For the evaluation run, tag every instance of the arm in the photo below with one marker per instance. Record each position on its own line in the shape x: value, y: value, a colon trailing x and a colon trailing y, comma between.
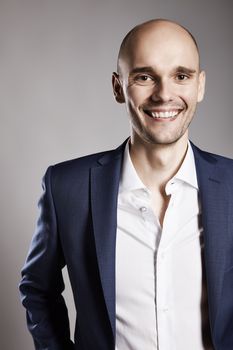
x: 42, y: 283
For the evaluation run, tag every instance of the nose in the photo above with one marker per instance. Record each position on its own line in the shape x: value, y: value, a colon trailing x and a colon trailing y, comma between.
x: 162, y: 92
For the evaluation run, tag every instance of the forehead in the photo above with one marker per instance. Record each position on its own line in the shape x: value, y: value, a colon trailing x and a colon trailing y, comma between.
x: 160, y: 46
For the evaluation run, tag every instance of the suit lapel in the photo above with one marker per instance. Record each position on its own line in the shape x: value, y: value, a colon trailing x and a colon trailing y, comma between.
x: 105, y: 179
x: 214, y: 199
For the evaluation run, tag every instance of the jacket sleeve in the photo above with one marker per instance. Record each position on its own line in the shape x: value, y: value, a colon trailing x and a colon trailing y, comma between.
x: 42, y: 283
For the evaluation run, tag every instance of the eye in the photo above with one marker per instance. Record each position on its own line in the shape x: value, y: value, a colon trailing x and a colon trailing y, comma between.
x: 182, y: 77
x: 144, y: 79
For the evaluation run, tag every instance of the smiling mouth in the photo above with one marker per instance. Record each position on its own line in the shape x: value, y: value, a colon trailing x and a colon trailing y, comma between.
x: 163, y: 115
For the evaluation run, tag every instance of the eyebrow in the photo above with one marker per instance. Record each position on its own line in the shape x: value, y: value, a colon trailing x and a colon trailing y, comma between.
x: 142, y: 70
x: 182, y: 69
x: 149, y: 69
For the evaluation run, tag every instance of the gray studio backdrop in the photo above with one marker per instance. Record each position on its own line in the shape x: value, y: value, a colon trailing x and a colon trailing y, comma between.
x: 56, y: 60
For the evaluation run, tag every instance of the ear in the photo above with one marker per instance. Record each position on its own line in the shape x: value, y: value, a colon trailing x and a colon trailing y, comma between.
x: 201, y: 87
x: 117, y: 88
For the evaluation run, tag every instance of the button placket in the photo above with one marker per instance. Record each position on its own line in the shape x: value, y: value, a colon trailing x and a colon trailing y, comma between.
x: 163, y: 296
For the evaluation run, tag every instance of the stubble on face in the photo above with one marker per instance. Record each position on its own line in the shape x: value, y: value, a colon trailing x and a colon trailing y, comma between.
x: 163, y: 137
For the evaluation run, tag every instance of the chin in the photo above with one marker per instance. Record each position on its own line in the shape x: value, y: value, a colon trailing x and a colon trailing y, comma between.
x: 166, y: 140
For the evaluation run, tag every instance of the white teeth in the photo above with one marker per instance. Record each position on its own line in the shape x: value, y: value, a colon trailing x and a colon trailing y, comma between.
x: 166, y: 114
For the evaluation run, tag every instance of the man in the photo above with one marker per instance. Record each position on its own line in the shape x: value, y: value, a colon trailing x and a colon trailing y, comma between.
x: 145, y: 230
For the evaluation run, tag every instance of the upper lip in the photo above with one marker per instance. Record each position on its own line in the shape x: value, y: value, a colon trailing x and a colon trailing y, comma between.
x: 163, y: 110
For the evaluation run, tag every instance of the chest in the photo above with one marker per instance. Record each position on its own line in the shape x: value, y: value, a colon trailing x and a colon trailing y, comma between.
x: 159, y: 268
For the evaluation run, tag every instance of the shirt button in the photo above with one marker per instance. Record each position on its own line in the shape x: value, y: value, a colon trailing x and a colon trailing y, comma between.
x: 143, y: 209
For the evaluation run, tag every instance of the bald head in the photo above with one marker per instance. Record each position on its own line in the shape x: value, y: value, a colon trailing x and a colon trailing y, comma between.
x: 161, y: 27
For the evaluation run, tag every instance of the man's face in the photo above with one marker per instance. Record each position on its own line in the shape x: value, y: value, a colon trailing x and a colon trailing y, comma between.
x: 160, y: 83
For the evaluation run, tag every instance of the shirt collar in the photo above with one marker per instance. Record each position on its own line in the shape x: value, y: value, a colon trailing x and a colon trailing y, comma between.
x: 129, y: 177
x: 131, y: 181
x: 187, y: 171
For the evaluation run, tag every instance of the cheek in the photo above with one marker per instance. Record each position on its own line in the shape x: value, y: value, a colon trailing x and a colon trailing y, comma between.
x: 137, y: 95
x: 190, y: 98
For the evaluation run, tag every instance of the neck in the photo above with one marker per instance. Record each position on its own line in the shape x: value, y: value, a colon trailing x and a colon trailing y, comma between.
x: 156, y: 164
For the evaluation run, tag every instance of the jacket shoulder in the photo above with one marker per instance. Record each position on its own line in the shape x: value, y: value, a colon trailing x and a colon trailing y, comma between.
x: 213, y: 157
x: 81, y: 166
x: 212, y: 164
x: 219, y: 158
x: 83, y: 162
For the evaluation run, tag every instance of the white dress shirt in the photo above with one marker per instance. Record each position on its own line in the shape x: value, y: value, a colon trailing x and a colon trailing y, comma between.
x: 160, y: 288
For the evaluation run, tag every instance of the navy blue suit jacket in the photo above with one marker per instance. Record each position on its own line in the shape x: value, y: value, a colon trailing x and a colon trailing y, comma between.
x: 77, y: 227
